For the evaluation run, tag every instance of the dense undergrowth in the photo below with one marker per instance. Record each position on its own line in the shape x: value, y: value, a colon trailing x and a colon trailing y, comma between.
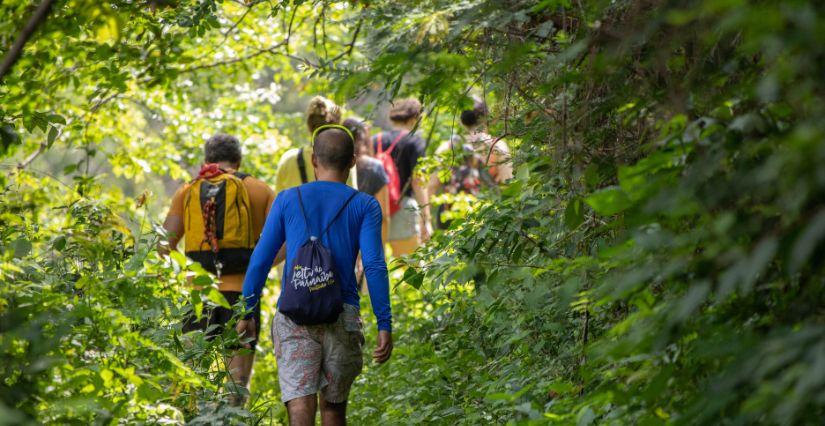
x: 91, y: 318
x: 659, y: 256
x: 657, y: 259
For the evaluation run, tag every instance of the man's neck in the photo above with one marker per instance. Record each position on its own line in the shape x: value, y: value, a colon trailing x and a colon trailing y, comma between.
x: 405, y: 127
x: 475, y: 129
x: 226, y: 166
x: 331, y: 176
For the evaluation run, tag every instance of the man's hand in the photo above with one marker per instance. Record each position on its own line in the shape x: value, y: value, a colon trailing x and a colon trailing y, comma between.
x: 426, y: 231
x: 384, y: 350
x: 246, y: 329
x: 174, y: 229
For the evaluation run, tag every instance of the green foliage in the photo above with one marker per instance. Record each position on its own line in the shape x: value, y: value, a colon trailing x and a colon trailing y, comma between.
x: 657, y: 259
x: 90, y: 318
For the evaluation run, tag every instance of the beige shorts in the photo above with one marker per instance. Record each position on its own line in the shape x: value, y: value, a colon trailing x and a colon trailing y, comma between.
x: 405, y: 223
x: 322, y: 358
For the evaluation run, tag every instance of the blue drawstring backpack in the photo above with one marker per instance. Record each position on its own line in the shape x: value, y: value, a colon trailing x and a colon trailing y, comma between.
x: 312, y: 294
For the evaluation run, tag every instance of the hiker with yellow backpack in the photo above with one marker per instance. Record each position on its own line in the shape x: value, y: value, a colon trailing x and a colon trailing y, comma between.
x: 220, y: 215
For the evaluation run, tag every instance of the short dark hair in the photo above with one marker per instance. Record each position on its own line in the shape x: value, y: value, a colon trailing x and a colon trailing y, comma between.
x: 405, y: 109
x: 472, y: 117
x: 222, y: 147
x: 334, y: 149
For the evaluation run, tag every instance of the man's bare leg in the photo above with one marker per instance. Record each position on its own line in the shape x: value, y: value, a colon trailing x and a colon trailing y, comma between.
x: 302, y: 410
x: 333, y: 414
x: 240, y: 369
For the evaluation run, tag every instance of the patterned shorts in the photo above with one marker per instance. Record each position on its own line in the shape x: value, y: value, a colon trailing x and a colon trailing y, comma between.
x: 322, y: 358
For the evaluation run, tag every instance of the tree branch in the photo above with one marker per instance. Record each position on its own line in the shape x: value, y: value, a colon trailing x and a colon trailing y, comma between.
x: 16, y: 50
x: 351, y: 45
x: 289, y: 29
x: 40, y: 149
x: 25, y: 163
x: 254, y: 54
x: 272, y: 50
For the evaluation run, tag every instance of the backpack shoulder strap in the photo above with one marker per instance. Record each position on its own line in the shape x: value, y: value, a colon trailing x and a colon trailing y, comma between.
x: 302, y: 168
x: 341, y: 210
x: 303, y: 212
x: 241, y: 176
x: 396, y: 140
x: 379, y: 145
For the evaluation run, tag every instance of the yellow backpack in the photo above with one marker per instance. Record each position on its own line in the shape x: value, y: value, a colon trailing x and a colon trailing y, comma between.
x: 218, y: 224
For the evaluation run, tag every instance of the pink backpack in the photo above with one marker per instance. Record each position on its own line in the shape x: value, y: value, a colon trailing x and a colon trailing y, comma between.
x: 385, y: 157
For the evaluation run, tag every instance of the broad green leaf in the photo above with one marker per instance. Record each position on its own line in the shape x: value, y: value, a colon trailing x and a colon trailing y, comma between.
x: 609, y: 201
x: 585, y: 417
x: 178, y: 257
x: 574, y: 214
x: 413, y: 278
x: 56, y: 118
x: 109, y: 31
x: 215, y: 296
x: 22, y: 247
x: 202, y: 280
x: 51, y: 137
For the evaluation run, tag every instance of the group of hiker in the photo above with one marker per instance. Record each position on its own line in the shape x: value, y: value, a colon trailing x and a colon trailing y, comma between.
x: 337, y: 201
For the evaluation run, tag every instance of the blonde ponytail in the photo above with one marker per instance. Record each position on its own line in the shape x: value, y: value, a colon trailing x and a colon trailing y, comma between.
x: 322, y: 111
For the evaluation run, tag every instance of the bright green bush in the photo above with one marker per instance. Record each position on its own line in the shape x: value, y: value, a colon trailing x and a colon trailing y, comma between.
x: 90, y: 318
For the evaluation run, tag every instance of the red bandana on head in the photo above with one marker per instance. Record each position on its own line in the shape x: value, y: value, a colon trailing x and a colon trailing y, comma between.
x: 210, y: 170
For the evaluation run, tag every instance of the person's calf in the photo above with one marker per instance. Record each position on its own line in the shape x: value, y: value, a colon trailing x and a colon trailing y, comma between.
x: 301, y: 410
x: 333, y: 413
x: 240, y: 367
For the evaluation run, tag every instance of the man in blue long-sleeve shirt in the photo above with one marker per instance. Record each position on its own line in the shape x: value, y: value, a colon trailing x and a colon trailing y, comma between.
x: 324, y: 358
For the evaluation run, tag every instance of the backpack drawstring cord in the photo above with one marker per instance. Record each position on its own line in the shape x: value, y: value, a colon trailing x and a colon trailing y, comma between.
x: 210, y: 231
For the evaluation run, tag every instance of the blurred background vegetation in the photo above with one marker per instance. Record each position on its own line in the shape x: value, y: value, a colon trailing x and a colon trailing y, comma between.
x: 657, y: 259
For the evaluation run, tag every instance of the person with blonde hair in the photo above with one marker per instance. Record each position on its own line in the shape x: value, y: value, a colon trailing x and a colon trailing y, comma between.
x: 295, y: 166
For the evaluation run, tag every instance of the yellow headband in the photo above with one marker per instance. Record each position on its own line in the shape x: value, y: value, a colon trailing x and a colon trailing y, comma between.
x: 332, y: 126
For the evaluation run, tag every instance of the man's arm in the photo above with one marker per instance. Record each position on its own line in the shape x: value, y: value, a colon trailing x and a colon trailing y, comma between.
x: 375, y: 269
x: 423, y: 199
x: 174, y: 231
x: 173, y: 223
x: 282, y: 252
x: 271, y: 240
x: 383, y: 197
x: 419, y: 187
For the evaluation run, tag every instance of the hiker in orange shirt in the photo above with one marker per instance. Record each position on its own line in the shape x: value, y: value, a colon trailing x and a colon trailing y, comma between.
x: 220, y: 214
